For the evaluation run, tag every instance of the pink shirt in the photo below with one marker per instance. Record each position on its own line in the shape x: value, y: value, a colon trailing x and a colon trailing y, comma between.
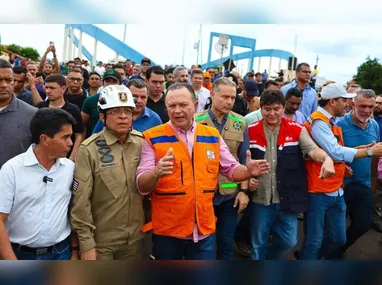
x: 227, y: 163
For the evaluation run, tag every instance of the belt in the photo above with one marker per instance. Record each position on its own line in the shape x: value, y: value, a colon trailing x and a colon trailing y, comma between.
x: 38, y: 250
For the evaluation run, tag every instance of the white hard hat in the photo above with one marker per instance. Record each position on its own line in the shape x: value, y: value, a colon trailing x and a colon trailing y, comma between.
x: 115, y: 96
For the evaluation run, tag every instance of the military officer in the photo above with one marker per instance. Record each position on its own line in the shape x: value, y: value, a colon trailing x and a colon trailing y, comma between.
x: 231, y: 198
x: 107, y: 212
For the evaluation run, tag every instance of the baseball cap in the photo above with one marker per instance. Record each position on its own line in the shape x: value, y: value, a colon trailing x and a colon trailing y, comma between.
x: 146, y: 60
x: 251, y: 88
x: 111, y: 73
x: 206, y: 74
x: 334, y: 91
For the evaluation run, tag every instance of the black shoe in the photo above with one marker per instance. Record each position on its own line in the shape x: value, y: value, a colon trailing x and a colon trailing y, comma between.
x: 243, y: 248
x: 296, y: 254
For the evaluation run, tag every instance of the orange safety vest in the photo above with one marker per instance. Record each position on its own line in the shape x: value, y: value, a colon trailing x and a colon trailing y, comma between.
x: 331, y: 184
x: 186, y: 196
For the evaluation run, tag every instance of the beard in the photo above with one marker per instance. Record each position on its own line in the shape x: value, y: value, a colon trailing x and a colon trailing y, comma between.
x: 377, y: 112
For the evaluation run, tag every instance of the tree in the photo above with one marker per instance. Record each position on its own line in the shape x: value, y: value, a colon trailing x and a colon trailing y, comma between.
x: 369, y: 75
x: 29, y: 52
x: 1, y: 49
x: 14, y: 48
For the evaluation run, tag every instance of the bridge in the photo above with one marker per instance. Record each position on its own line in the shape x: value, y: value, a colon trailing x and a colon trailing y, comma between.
x: 126, y: 51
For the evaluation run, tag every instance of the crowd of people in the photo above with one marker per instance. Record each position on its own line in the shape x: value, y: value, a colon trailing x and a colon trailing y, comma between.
x: 96, y: 163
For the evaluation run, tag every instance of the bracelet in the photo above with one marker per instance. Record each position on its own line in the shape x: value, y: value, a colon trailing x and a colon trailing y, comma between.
x: 75, y: 248
x: 244, y: 190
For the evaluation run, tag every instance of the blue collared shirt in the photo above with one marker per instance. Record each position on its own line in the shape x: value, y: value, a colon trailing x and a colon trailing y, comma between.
x: 243, y: 147
x: 354, y: 136
x: 147, y: 120
x: 309, y: 102
x: 323, y: 135
x: 26, y: 96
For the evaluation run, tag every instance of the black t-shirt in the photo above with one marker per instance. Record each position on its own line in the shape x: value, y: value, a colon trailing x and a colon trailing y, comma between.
x: 159, y: 108
x: 72, y: 110
x: 77, y: 100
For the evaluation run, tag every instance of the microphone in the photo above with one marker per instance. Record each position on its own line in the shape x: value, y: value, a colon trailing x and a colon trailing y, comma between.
x: 47, y: 179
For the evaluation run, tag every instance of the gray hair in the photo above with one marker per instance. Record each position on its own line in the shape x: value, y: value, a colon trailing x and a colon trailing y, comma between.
x: 5, y: 63
x: 178, y: 85
x: 222, y: 81
x: 137, y: 83
x: 178, y: 70
x: 367, y: 93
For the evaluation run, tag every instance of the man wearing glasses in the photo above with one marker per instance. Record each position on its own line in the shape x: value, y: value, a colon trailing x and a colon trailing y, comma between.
x: 309, y: 99
x: 107, y: 212
x: 75, y: 94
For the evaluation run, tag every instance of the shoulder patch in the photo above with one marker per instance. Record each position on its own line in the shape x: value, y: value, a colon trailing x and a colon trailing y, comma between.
x: 136, y: 133
x: 90, y: 139
x: 200, y: 116
x: 237, y: 118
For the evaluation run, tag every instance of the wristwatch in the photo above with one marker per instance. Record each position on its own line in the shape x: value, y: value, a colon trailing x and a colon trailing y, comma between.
x: 244, y: 190
x: 369, y: 151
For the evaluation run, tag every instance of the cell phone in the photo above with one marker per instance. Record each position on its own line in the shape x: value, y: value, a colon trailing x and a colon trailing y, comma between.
x: 51, y: 44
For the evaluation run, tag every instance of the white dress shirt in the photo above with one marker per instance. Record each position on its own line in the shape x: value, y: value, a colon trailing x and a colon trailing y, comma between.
x: 203, y: 95
x: 38, y: 211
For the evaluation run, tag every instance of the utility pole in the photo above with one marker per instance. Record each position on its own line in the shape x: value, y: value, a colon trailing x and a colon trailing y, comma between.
x: 317, y: 60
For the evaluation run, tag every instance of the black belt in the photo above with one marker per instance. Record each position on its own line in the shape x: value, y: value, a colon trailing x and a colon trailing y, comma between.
x: 39, y: 250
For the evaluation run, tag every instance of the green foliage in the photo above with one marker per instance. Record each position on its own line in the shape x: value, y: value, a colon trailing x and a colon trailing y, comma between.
x: 369, y: 75
x: 14, y: 48
x: 29, y: 52
x: 1, y: 49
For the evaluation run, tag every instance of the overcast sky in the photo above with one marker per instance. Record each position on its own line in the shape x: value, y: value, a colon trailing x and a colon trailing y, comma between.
x: 341, y: 47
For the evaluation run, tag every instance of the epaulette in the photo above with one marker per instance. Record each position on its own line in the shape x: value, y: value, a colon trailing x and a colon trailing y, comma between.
x: 90, y: 139
x: 136, y: 133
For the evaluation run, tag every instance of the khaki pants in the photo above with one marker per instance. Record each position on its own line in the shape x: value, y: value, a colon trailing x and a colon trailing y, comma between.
x: 120, y: 252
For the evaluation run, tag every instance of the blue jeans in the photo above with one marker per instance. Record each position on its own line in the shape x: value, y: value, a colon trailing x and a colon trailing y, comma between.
x: 225, y: 228
x: 171, y: 248
x: 60, y: 252
x: 325, y: 214
x: 283, y: 226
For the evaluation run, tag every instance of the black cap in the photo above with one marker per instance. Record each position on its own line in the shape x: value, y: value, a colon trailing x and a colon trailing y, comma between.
x: 146, y: 60
x: 111, y: 73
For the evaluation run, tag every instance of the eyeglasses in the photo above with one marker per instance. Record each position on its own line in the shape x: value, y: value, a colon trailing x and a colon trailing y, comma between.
x: 119, y: 111
x: 75, y: 79
x: 378, y: 103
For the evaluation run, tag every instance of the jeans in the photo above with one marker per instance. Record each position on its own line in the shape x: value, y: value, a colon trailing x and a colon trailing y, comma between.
x: 325, y: 214
x: 59, y: 252
x: 171, y: 248
x: 225, y: 228
x: 359, y: 203
x: 283, y: 226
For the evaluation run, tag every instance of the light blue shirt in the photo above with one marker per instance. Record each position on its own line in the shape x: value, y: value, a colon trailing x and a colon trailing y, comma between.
x: 38, y: 211
x: 309, y: 102
x: 324, y: 137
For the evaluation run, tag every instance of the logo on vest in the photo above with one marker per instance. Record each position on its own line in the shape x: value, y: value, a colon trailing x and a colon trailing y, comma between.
x: 210, y: 154
x: 288, y: 139
x: 238, y: 126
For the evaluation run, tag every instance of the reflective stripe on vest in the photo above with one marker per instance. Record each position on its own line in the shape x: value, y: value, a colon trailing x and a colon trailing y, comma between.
x: 184, y: 198
x: 232, y: 137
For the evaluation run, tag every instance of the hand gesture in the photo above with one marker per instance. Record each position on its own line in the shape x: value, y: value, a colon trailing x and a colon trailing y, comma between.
x: 242, y: 200
x: 348, y: 171
x: 377, y: 149
x: 165, y: 164
x: 253, y: 184
x: 30, y: 79
x: 91, y: 254
x: 327, y: 169
x: 256, y: 167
